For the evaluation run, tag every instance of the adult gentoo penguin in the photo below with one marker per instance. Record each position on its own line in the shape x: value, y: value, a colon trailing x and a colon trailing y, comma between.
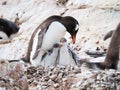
x: 47, y: 34
x: 66, y: 55
x: 7, y: 29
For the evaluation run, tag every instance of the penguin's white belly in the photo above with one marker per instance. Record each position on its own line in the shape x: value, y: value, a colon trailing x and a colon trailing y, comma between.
x: 65, y: 58
x: 50, y: 60
x: 3, y: 35
x: 53, y: 35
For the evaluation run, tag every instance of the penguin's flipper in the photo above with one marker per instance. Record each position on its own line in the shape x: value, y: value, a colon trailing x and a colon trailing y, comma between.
x: 73, y: 54
x: 40, y: 39
x: 43, y: 27
x: 108, y: 35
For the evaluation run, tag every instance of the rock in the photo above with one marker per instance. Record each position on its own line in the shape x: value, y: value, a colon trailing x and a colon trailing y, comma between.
x: 31, y: 70
x: 56, y: 70
x: 51, y: 82
x: 38, y: 87
x: 46, y: 78
x: 22, y: 84
x: 14, y: 75
x: 60, y: 75
x: 99, y: 76
x: 85, y: 67
x: 2, y: 88
x: 118, y: 87
x: 53, y: 77
x: 51, y: 68
x: 61, y: 2
x: 101, y: 88
x: 4, y: 3
x: 64, y: 79
x: 79, y: 83
x: 76, y: 71
x: 88, y: 74
x: 82, y: 88
x: 56, y: 85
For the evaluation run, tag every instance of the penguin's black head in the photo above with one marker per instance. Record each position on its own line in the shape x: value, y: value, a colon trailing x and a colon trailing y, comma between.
x: 62, y: 40
x: 71, y: 25
x: 57, y: 45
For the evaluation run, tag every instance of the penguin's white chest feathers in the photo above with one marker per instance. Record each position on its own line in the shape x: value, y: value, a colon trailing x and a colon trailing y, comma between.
x: 3, y: 35
x: 64, y: 54
x: 65, y: 57
x: 50, y: 60
x: 55, y: 32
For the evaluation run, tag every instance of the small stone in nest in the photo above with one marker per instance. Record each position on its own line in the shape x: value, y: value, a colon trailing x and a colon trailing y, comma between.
x: 4, y: 3
x: 97, y: 42
x: 31, y: 70
x: 101, y: 88
x: 56, y: 85
x: 61, y: 2
x: 22, y: 84
x: 14, y: 75
x: 97, y: 48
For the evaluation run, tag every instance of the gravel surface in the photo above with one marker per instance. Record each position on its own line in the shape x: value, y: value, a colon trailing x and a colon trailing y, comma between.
x: 20, y: 76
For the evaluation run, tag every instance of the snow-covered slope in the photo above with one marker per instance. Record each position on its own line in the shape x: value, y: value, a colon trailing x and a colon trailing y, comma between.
x: 96, y: 17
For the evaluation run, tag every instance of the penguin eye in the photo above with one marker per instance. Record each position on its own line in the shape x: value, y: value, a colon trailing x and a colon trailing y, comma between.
x: 77, y: 27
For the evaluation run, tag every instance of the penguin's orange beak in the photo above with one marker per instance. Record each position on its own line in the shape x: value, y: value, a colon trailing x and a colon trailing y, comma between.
x: 73, y: 39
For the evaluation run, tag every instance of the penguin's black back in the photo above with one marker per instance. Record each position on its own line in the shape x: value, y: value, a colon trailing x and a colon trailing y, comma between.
x: 8, y: 27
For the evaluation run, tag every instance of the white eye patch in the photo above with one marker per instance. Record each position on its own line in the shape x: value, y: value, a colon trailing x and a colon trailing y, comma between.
x: 77, y: 27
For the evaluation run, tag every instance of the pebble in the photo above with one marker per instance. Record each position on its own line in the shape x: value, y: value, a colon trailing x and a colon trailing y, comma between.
x: 101, y: 88
x: 64, y: 79
x: 56, y: 85
x: 76, y: 71
x: 53, y: 77
x: 79, y: 83
x: 60, y: 75
x: 99, y: 76
x: 2, y: 88
x: 46, y: 78
x: 51, y: 68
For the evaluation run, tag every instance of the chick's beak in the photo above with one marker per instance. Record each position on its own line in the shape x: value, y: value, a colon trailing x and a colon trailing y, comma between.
x: 73, y: 39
